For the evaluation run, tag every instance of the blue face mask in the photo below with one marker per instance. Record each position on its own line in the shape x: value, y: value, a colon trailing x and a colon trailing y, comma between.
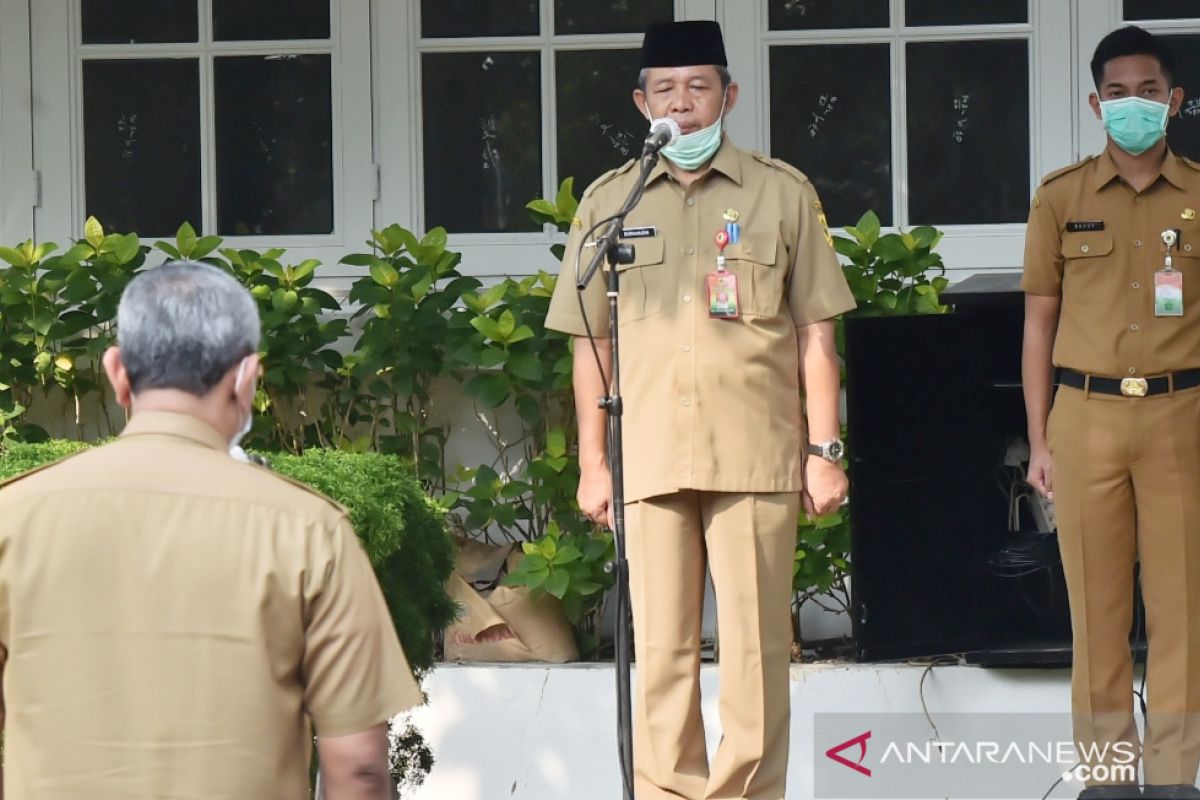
x: 1135, y: 124
x: 694, y: 150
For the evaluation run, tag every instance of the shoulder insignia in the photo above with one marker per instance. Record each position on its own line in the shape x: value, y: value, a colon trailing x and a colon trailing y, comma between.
x: 42, y: 467
x: 1058, y: 173
x: 606, y: 177
x: 780, y: 165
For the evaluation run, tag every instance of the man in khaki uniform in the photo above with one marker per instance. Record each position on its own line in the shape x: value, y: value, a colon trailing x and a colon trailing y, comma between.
x: 173, y: 620
x: 715, y: 433
x: 1120, y: 452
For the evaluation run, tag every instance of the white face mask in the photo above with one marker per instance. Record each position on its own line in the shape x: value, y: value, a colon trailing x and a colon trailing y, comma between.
x: 235, y: 448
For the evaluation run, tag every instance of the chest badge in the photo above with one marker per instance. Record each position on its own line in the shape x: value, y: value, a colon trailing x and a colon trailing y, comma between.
x: 1188, y: 213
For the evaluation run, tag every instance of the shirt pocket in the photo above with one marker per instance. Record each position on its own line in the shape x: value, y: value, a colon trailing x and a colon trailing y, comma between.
x: 755, y: 261
x: 644, y: 281
x: 1088, y: 269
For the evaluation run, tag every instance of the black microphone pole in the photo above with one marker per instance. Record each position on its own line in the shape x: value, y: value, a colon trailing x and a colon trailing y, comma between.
x: 609, y: 249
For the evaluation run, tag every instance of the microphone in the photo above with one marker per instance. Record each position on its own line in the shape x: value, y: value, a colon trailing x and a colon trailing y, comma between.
x: 663, y: 132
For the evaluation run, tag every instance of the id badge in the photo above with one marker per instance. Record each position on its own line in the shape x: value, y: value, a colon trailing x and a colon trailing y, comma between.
x: 722, y: 295
x: 1168, y: 293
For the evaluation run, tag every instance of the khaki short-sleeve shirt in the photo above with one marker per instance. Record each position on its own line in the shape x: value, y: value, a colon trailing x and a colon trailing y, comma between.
x: 1097, y: 243
x: 173, y: 620
x: 710, y: 404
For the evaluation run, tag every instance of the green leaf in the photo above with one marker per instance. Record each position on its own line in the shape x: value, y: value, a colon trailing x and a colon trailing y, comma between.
x: 305, y: 268
x: 566, y: 555
x: 12, y: 257
x: 127, y: 248
x: 206, y: 245
x: 186, y: 239
x: 558, y: 583
x: 93, y: 232
x: 435, y: 239
x: 490, y: 389
x: 520, y: 334
x: 868, y: 228
x: 488, y: 327
x: 384, y: 273
x: 891, y: 248
x: 526, y: 366
x: 556, y: 442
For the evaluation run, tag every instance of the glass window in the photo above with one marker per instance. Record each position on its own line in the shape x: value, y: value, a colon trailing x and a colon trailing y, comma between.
x: 142, y: 143
x: 968, y: 132
x: 598, y: 125
x: 482, y: 120
x: 793, y: 15
x: 831, y: 117
x: 140, y: 21
x: 1160, y: 9
x: 615, y: 16
x: 274, y: 145
x: 463, y: 18
x: 956, y: 12
x: 238, y: 20
x: 1183, y: 132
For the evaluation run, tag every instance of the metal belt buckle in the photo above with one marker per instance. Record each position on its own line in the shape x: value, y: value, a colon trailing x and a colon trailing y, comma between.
x: 1134, y: 387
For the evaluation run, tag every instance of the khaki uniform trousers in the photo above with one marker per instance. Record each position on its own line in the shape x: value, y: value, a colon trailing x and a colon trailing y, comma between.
x: 1126, y: 477
x: 750, y: 540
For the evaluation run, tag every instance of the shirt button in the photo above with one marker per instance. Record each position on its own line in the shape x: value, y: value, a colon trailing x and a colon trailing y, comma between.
x: 1083, y: 248
x: 1133, y: 370
x: 691, y: 201
x: 687, y: 298
x: 686, y: 401
x: 691, y: 251
x: 1137, y: 198
x: 1133, y: 327
x: 1137, y: 242
x: 1136, y: 285
x: 687, y: 348
x: 1187, y: 247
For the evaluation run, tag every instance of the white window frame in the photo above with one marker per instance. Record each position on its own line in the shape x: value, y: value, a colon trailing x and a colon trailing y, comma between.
x: 58, y: 130
x: 965, y: 248
x: 485, y: 255
x: 18, y: 182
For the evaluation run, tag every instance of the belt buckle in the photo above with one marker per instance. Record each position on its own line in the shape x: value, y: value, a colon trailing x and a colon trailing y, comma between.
x: 1134, y: 387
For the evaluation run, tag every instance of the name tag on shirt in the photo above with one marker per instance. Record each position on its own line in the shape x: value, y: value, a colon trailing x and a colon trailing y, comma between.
x: 648, y: 232
x: 1085, y: 227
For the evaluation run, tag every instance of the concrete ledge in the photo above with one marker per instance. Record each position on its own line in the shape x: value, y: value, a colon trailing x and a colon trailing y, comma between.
x: 536, y: 732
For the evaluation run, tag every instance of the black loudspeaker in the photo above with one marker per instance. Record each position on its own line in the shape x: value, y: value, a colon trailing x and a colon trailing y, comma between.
x: 932, y: 402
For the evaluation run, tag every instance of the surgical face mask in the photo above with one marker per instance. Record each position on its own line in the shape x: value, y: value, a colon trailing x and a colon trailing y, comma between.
x: 1134, y: 123
x: 235, y: 448
x: 692, y: 151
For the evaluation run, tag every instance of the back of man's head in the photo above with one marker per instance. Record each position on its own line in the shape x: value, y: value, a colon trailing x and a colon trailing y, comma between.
x: 1131, y: 41
x: 183, y: 325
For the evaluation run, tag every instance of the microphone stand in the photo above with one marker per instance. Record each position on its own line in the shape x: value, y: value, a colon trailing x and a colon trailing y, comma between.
x: 609, y: 249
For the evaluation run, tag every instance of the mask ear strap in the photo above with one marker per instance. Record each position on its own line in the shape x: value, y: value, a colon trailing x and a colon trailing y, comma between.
x: 237, y: 379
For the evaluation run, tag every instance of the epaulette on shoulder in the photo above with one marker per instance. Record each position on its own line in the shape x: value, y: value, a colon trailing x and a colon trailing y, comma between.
x: 1058, y: 173
x: 608, y: 176
x: 41, y: 468
x: 1191, y: 163
x: 301, y: 485
x: 780, y: 165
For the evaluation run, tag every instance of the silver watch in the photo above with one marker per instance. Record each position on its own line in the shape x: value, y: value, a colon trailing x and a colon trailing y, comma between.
x: 832, y: 450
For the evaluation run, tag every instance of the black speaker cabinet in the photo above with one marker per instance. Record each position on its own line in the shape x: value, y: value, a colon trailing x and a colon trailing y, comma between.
x: 932, y: 402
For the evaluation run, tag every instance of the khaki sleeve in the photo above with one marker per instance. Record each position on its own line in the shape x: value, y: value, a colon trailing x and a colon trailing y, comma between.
x: 818, y: 289
x: 1043, y: 250
x: 355, y: 674
x: 565, y: 314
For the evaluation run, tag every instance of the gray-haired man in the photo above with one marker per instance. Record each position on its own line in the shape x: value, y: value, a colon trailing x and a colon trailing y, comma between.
x: 172, y: 621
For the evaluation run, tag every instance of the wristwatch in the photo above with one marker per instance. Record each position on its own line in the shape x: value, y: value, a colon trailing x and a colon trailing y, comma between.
x: 832, y: 450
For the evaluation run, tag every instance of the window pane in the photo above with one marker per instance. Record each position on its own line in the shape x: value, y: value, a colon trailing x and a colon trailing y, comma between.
x: 787, y: 15
x: 831, y: 117
x: 968, y: 133
x: 142, y: 21
x: 617, y: 16
x: 598, y: 126
x: 482, y: 122
x: 956, y: 12
x: 274, y: 145
x: 141, y: 134
x: 442, y: 18
x: 238, y: 20
x: 1183, y: 132
x: 1161, y: 9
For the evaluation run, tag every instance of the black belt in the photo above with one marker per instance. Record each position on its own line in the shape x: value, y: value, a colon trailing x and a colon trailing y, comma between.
x: 1130, y: 387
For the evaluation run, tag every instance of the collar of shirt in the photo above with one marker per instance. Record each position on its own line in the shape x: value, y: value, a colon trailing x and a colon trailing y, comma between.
x: 181, y: 426
x: 1171, y: 170
x: 726, y: 162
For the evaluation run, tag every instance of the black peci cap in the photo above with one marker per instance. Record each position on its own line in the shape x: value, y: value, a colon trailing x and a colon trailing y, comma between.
x: 683, y: 44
